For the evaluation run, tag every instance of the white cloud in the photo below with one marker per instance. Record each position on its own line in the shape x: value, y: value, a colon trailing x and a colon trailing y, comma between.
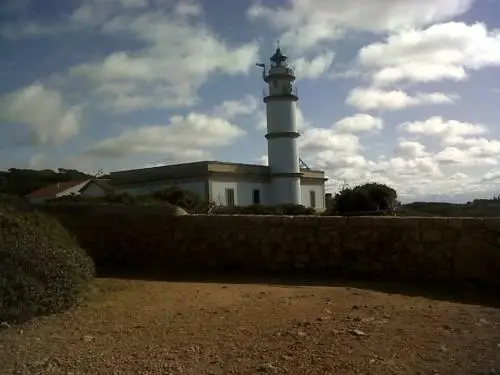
x: 178, y: 57
x: 457, y: 138
x: 321, y: 139
x: 305, y: 24
x: 48, y: 118
x: 190, y: 135
x: 465, y: 157
x: 442, y: 51
x: 358, y: 123
x: 315, y: 67
x: 230, y: 109
x: 445, y: 130
x: 410, y: 150
x: 373, y: 98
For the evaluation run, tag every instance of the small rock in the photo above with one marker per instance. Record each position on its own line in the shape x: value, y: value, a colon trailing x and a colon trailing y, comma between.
x: 301, y: 334
x: 88, y: 338
x: 443, y: 348
x: 268, y: 368
x: 355, y: 307
x: 4, y: 325
x: 323, y: 318
x: 357, y: 332
x: 327, y: 311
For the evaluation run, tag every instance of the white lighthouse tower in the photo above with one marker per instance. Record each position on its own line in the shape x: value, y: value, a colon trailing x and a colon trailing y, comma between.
x: 283, y: 154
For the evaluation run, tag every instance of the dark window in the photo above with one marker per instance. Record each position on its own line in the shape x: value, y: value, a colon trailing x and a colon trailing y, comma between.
x: 312, y: 198
x: 229, y: 197
x: 256, y: 196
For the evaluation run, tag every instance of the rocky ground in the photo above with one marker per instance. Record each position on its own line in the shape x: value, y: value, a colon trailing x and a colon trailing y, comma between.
x: 153, y: 327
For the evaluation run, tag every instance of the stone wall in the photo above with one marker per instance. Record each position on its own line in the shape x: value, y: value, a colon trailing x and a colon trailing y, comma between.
x: 392, y: 247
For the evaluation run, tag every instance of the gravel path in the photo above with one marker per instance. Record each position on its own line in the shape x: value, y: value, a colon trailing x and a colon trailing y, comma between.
x: 146, y: 327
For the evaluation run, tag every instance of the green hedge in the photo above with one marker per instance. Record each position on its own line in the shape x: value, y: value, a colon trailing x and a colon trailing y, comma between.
x: 42, y: 268
x: 257, y: 209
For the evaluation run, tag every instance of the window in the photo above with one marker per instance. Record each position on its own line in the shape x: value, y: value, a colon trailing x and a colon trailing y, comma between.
x: 229, y: 197
x: 312, y: 198
x: 256, y: 196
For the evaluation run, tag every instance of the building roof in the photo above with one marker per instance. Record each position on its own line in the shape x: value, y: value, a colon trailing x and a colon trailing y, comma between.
x: 198, y: 170
x: 52, y: 190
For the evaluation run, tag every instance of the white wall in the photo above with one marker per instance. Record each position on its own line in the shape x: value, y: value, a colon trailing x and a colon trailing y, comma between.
x: 320, y: 196
x: 243, y: 192
x: 197, y: 187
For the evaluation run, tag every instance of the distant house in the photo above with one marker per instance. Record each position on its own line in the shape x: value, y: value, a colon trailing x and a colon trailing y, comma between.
x: 84, y: 188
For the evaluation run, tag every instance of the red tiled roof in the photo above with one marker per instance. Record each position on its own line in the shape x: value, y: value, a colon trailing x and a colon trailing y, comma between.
x: 51, y: 190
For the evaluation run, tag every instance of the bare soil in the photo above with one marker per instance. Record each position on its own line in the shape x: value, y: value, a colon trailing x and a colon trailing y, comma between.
x: 158, y: 327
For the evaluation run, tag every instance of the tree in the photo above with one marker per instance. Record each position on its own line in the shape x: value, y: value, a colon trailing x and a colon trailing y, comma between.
x: 367, y: 198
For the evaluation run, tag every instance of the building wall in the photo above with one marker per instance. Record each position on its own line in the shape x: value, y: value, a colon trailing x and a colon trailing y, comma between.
x: 448, y: 249
x: 243, y: 192
x: 197, y: 187
x: 319, y: 191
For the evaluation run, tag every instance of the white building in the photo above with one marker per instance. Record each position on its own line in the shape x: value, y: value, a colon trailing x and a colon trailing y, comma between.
x: 283, y: 181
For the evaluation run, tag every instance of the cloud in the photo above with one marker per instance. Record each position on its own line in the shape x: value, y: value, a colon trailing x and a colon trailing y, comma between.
x: 461, y: 147
x: 442, y: 51
x: 43, y: 112
x: 178, y: 57
x: 358, y: 123
x: 322, y: 139
x: 230, y: 109
x: 445, y: 130
x: 306, y: 24
x: 372, y: 98
x: 410, y: 150
x: 187, y: 135
x: 314, y: 68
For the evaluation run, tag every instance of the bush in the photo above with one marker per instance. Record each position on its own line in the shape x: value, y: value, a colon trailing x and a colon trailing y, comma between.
x: 42, y: 269
x: 294, y: 209
x: 258, y: 209
x: 365, y: 199
x: 185, y: 199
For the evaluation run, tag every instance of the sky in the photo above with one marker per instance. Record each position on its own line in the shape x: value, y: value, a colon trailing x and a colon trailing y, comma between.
x: 400, y: 92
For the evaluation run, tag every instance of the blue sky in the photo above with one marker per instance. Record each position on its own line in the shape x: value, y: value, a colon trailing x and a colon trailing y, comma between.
x: 403, y: 92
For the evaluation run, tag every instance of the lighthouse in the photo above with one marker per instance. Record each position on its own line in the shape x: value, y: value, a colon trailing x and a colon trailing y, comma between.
x: 281, y: 100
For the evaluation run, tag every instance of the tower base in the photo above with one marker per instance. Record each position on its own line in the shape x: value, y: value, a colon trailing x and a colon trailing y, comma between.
x: 286, y: 189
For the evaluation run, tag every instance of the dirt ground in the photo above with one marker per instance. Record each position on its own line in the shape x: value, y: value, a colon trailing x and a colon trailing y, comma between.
x: 155, y: 327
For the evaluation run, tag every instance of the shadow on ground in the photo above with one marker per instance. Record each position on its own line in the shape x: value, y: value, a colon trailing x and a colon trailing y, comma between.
x: 472, y: 293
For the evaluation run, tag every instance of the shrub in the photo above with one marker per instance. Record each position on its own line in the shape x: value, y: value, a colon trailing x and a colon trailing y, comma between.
x: 185, y: 199
x: 365, y: 199
x: 294, y: 209
x: 258, y: 209
x: 42, y: 269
